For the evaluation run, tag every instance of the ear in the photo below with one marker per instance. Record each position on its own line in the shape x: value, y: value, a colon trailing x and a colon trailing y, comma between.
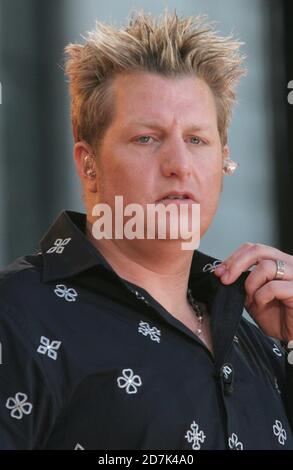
x: 80, y: 150
x: 225, y: 152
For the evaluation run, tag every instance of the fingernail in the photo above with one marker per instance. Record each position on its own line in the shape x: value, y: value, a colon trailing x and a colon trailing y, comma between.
x: 220, y: 269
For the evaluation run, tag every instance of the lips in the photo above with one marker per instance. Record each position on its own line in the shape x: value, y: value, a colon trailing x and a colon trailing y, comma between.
x: 174, y: 196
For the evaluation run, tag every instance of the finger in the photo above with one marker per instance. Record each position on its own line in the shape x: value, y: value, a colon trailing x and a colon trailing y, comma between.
x: 264, y: 272
x: 280, y: 290
x: 233, y: 259
x: 246, y: 257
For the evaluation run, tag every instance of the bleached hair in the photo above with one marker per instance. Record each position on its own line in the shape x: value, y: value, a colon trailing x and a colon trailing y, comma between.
x: 169, y: 45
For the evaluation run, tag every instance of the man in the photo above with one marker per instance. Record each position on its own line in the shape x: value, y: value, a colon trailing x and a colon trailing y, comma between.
x: 118, y: 343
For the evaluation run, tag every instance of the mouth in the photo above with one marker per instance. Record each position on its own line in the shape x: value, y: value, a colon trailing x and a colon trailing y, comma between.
x: 176, y: 198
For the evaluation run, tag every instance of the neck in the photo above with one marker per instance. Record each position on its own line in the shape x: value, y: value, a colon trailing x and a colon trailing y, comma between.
x: 160, y: 267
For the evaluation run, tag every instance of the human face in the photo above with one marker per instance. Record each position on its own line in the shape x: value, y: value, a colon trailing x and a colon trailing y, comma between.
x: 163, y: 137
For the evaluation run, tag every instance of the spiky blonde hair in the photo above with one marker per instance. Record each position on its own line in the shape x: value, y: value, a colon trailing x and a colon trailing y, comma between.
x: 170, y: 46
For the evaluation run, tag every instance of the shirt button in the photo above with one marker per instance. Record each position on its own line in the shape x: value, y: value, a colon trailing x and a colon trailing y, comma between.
x: 277, y: 385
x: 227, y: 378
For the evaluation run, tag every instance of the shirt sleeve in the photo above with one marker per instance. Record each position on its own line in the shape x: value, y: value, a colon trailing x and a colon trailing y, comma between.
x: 27, y: 407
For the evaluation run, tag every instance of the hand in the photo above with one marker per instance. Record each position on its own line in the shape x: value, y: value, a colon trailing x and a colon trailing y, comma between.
x: 268, y: 301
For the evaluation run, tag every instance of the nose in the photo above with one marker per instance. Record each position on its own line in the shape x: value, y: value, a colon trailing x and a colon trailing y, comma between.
x: 175, y: 159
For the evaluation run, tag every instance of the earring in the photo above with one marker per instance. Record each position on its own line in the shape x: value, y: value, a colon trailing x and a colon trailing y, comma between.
x: 88, y: 163
x: 229, y: 166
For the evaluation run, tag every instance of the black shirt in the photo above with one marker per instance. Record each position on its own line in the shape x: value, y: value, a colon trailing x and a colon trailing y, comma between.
x: 91, y: 361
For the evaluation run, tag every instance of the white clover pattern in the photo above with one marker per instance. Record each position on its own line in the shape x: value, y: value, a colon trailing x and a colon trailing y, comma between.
x: 211, y: 267
x: 277, y: 351
x: 19, y: 405
x: 226, y: 371
x: 49, y: 347
x: 68, y: 293
x: 234, y: 443
x: 145, y: 329
x: 280, y: 432
x: 78, y: 447
x: 129, y: 381
x: 195, y: 436
x: 58, y: 245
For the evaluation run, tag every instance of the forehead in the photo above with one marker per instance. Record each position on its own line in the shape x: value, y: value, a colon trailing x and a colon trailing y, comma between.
x: 139, y: 96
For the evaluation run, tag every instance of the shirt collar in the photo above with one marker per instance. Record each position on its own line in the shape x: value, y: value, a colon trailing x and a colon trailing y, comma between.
x: 67, y: 251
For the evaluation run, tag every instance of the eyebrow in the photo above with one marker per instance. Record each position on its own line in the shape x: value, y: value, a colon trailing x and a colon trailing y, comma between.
x: 157, y: 125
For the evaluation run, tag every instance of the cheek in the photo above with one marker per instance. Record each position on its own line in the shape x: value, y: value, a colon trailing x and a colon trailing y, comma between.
x: 127, y: 180
x: 211, y: 181
x: 210, y: 194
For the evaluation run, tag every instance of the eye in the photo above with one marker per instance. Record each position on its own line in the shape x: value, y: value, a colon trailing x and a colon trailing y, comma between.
x: 196, y: 140
x: 143, y: 139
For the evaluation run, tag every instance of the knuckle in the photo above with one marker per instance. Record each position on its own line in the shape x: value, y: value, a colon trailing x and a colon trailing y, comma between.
x: 270, y: 288
x: 248, y: 284
x: 257, y: 247
x: 246, y: 245
x: 266, y: 264
x: 258, y: 298
x: 249, y: 291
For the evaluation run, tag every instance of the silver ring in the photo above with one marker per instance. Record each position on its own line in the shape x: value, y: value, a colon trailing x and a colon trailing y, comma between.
x: 280, y: 269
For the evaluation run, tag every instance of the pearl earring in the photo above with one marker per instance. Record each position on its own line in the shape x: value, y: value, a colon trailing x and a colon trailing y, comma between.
x: 229, y: 166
